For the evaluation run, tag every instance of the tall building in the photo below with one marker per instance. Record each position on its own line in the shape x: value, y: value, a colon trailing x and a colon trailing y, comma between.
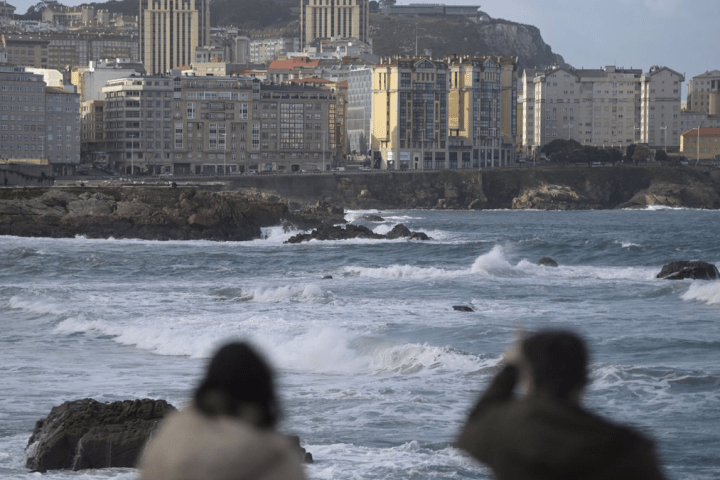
x: 438, y: 114
x: 704, y: 93
x: 170, y: 31
x: 608, y: 107
x: 660, y: 108
x: 202, y: 125
x: 333, y: 18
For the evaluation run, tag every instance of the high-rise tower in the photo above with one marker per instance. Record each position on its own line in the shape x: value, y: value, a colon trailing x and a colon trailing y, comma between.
x: 333, y: 18
x: 170, y: 30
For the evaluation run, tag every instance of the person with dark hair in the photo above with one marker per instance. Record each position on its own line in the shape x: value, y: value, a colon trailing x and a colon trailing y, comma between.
x: 227, y: 432
x: 545, y: 433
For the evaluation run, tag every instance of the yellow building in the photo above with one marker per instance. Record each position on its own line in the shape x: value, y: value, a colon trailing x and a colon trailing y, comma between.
x: 454, y: 113
x: 170, y: 31
x: 709, y: 143
x: 333, y: 18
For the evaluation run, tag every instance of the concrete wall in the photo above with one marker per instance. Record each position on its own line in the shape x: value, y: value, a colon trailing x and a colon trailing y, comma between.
x: 26, y: 175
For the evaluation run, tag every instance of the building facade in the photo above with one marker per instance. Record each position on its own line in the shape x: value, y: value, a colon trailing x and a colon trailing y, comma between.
x: 333, y: 18
x: 660, y: 99
x: 170, y: 31
x: 22, y: 114
x: 26, y: 50
x: 435, y: 114
x: 701, y: 144
x: 92, y: 132
x: 359, y: 110
x: 704, y: 93
x: 208, y: 125
x: 62, y: 142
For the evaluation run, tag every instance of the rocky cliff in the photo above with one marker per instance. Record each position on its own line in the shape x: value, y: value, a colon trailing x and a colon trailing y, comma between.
x: 152, y: 213
x: 443, y: 36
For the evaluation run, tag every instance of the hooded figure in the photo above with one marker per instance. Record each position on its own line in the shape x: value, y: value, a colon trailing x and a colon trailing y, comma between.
x: 546, y: 434
x: 227, y: 432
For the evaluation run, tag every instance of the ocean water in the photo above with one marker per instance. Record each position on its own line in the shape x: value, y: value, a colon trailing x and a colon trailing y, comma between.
x: 376, y: 371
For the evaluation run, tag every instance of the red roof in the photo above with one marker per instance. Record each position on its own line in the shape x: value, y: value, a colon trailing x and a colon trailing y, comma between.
x: 707, y: 131
x: 292, y: 63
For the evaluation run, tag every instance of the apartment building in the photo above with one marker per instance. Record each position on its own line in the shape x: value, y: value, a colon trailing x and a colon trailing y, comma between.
x: 267, y: 49
x: 204, y: 125
x: 26, y: 50
x: 7, y: 12
x: 660, y: 101
x: 92, y: 132
x: 331, y: 18
x: 434, y: 114
x: 38, y: 122
x: 704, y: 93
x: 170, y: 32
x: 359, y: 110
x: 90, y: 80
x: 62, y: 120
x: 22, y: 113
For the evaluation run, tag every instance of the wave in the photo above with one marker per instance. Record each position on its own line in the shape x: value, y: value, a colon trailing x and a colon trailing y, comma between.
x: 38, y: 304
x: 402, y: 271
x: 284, y: 293
x: 706, y: 292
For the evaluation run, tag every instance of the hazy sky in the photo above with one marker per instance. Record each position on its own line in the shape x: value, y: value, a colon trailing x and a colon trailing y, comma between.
x: 679, y: 34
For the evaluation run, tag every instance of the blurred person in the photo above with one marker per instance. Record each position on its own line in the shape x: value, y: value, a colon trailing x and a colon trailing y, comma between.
x: 545, y: 433
x: 228, y: 430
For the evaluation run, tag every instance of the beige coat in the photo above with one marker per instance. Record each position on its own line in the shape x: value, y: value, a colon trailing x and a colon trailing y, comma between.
x: 191, y: 446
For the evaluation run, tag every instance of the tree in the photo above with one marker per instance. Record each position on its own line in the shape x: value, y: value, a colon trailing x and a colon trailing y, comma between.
x: 630, y: 151
x: 661, y: 155
x: 641, y: 153
x: 374, y: 6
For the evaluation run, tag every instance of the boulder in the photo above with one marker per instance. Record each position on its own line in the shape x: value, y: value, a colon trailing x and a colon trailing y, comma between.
x: 86, y: 433
x: 547, y: 262
x: 350, y: 231
x: 370, y: 217
x: 305, y: 456
x: 462, y: 308
x: 689, y: 269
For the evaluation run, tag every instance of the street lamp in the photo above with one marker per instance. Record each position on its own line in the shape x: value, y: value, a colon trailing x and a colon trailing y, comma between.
x: 665, y: 137
x: 697, y: 161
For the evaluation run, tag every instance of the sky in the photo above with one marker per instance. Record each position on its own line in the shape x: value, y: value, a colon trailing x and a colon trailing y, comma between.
x: 679, y: 34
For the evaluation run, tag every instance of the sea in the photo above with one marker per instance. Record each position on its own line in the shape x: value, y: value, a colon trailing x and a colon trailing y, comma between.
x: 376, y: 371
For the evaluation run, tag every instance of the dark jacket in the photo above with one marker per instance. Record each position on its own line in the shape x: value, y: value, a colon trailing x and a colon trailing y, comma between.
x: 540, y: 437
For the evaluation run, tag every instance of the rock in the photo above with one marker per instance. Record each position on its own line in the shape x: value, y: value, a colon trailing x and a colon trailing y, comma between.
x: 327, y: 277
x: 88, y: 434
x: 547, y: 262
x: 370, y: 217
x: 335, y: 232
x: 689, y: 269
x: 462, y: 308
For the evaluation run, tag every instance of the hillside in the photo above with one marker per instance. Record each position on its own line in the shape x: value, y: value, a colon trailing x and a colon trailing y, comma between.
x: 391, y: 35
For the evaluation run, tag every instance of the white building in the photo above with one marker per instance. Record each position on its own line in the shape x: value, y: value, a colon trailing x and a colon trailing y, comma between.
x: 91, y: 79
x: 704, y: 93
x: 660, y: 108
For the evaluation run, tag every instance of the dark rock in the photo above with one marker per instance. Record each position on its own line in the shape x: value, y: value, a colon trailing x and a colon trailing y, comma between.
x: 327, y: 277
x: 684, y: 269
x: 462, y: 308
x: 372, y: 218
x: 334, y: 232
x: 547, y: 262
x: 88, y: 434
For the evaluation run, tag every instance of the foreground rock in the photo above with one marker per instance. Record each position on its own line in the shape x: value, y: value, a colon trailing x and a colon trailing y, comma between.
x: 694, y: 270
x: 152, y: 213
x: 88, y: 434
x: 334, y: 232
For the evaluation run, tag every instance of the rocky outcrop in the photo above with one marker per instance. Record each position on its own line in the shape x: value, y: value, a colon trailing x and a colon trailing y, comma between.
x: 552, y: 197
x: 695, y: 270
x: 329, y: 232
x: 547, y: 262
x: 152, y: 213
x: 445, y: 36
x: 88, y: 434
x: 676, y: 195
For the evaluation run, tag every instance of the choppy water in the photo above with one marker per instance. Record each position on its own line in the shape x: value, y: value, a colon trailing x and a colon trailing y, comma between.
x: 376, y: 370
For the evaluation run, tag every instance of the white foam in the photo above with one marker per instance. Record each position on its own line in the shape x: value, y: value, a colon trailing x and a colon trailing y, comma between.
x: 37, y: 305
x: 707, y: 292
x: 494, y: 263
x: 402, y: 271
